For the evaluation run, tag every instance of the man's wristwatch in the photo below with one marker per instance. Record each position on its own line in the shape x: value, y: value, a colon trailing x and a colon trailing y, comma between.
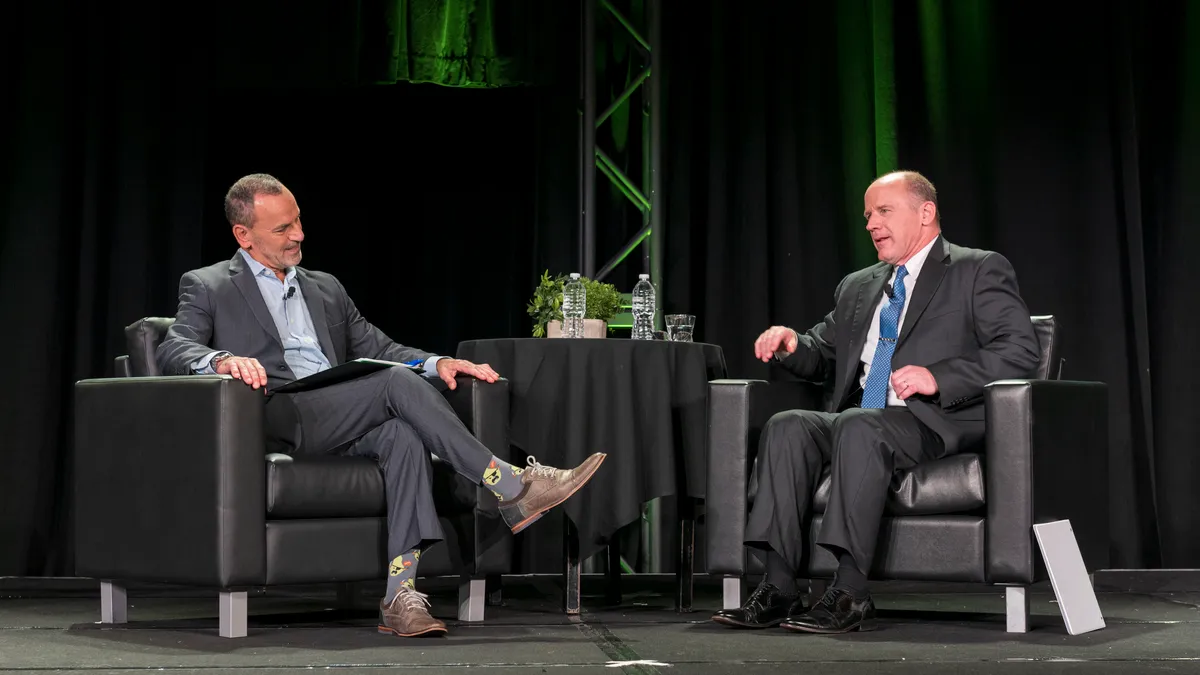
x: 215, y: 363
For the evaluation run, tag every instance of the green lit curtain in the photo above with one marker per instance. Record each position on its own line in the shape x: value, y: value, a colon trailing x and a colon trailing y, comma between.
x: 871, y: 109
x: 867, y: 87
x: 456, y: 43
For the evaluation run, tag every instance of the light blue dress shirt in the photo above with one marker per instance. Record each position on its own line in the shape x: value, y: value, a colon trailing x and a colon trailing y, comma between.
x: 301, y: 348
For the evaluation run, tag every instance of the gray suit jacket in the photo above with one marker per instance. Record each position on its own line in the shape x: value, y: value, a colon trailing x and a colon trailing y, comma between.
x: 221, y: 308
x: 966, y: 323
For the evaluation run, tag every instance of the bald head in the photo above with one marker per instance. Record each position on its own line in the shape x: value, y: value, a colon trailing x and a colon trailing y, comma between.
x: 919, y: 188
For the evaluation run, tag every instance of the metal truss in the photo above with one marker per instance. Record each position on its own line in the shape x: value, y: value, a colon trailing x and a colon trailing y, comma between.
x: 645, y: 194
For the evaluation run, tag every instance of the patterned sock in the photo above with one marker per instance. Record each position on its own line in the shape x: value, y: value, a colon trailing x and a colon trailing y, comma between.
x: 402, y: 572
x: 503, y: 479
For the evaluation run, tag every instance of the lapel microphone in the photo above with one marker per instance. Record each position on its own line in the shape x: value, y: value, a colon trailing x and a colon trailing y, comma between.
x: 887, y: 290
x: 292, y: 291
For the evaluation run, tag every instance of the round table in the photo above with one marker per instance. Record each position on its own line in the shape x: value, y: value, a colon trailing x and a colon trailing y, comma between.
x: 644, y: 402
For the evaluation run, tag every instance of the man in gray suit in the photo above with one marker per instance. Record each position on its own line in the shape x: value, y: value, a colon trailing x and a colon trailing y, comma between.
x: 266, y: 321
x: 909, y: 347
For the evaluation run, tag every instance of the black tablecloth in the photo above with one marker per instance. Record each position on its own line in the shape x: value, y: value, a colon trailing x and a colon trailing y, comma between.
x: 643, y: 402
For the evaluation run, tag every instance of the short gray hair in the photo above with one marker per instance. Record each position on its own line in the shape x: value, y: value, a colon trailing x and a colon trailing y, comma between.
x: 239, y: 201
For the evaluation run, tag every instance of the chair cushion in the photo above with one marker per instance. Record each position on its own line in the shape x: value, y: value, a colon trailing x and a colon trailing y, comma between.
x: 949, y: 485
x: 327, y: 486
x: 338, y: 486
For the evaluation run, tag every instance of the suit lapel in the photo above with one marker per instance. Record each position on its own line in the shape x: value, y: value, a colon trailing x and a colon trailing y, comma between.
x: 315, y: 299
x: 928, y: 282
x: 243, y: 279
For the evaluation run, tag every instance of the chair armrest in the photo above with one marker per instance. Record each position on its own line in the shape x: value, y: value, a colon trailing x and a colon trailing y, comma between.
x: 737, y: 412
x: 170, y: 480
x: 1046, y: 459
x: 483, y: 408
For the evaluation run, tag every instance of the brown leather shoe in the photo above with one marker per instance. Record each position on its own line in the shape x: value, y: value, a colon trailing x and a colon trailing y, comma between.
x: 407, y: 615
x: 545, y: 488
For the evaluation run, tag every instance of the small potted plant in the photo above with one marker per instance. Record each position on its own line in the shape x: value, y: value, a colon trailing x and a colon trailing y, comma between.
x: 603, y: 303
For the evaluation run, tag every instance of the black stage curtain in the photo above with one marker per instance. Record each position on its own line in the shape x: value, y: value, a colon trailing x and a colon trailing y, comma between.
x: 129, y: 127
x: 101, y: 199
x: 1069, y: 141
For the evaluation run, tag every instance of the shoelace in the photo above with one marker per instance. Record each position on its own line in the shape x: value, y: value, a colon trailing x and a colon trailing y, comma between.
x: 758, y: 594
x: 830, y: 597
x: 539, y: 469
x: 410, y: 599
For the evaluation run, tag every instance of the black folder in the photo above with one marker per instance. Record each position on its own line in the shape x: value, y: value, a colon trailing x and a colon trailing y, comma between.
x: 345, y: 372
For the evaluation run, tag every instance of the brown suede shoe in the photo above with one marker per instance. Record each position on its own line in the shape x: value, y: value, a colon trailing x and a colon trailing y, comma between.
x: 407, y: 615
x: 545, y: 488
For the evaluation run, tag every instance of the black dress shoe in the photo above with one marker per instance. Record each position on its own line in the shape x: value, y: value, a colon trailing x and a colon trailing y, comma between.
x: 837, y: 612
x: 766, y: 607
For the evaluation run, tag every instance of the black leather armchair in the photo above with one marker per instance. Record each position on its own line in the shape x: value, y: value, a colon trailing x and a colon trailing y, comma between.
x: 173, y: 484
x: 965, y: 518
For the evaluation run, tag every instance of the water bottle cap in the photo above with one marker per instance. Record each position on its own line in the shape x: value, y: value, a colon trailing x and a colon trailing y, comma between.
x: 643, y: 276
x: 574, y: 275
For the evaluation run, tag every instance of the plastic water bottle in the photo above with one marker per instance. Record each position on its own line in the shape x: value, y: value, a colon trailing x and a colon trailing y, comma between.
x: 643, y: 309
x: 574, y: 306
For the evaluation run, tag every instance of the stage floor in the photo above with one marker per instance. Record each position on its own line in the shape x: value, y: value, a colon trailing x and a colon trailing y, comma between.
x: 51, y: 627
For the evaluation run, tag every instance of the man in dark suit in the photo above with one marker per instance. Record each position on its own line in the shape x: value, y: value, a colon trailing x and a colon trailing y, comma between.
x: 909, y: 346
x: 266, y: 321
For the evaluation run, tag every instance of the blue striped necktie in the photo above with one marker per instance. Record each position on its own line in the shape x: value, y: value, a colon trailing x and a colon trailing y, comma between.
x: 876, y: 389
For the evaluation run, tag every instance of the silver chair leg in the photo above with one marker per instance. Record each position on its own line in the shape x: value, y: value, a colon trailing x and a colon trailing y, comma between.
x: 472, y: 594
x: 731, y: 588
x: 233, y: 614
x: 114, y: 605
x: 1016, y: 599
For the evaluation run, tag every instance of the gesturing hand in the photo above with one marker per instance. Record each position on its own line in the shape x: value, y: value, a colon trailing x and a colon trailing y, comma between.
x: 448, y: 368
x: 772, y: 340
x: 912, y: 380
x: 246, y: 369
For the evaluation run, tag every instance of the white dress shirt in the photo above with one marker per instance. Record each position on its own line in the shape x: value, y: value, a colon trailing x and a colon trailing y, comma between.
x: 913, y: 266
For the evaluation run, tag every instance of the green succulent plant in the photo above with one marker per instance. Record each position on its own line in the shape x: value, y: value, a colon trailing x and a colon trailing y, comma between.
x: 603, y: 301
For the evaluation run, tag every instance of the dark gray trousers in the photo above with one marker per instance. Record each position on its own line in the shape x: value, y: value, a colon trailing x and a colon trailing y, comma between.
x: 395, y: 417
x: 864, y: 446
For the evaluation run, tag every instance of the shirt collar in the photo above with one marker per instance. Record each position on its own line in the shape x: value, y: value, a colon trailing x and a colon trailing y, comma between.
x: 914, y: 264
x: 261, y: 270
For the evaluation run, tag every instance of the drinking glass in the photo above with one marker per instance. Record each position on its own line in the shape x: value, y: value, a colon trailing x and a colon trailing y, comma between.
x: 680, y: 327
